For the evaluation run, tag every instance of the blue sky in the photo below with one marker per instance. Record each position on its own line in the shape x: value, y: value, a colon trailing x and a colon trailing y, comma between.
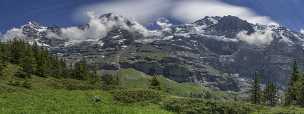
x: 15, y: 13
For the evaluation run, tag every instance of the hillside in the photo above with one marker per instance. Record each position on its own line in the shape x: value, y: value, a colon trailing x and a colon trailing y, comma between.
x: 66, y: 96
x: 218, y: 52
x: 217, y: 65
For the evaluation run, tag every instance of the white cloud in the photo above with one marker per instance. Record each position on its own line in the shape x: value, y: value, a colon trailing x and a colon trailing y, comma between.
x: 191, y: 10
x: 97, y: 29
x: 13, y: 33
x: 302, y: 31
x: 259, y: 38
x: 141, y: 10
x: 183, y: 10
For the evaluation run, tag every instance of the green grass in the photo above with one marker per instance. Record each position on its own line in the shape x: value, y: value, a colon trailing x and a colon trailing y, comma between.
x: 280, y: 110
x: 130, y: 78
x: 50, y: 96
x: 54, y: 96
x: 69, y: 102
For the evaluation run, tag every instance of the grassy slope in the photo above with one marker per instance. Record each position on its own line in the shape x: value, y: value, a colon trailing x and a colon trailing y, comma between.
x: 48, y: 96
x: 281, y: 110
x: 131, y: 78
x: 68, y: 102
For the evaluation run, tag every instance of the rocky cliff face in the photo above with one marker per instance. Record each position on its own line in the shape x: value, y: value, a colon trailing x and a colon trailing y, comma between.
x: 219, y: 52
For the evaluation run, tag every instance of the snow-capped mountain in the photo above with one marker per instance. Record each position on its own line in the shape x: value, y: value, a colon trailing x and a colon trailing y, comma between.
x: 220, y: 52
x: 97, y: 29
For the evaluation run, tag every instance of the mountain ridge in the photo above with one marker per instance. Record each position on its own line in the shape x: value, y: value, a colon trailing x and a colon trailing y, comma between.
x: 219, y: 52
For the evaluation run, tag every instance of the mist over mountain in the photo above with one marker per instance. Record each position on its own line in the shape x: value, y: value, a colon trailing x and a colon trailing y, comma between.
x: 282, y: 11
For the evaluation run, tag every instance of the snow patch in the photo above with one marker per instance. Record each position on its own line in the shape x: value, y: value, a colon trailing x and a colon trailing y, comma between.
x: 185, y: 35
x: 285, y: 39
x: 168, y: 37
x: 214, y: 21
x: 164, y: 24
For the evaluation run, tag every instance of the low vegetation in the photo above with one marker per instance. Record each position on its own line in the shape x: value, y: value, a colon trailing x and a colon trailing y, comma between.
x: 137, y: 96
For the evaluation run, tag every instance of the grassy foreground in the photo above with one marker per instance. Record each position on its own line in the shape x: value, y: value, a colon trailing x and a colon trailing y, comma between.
x: 69, y: 102
x: 68, y: 96
x: 82, y: 102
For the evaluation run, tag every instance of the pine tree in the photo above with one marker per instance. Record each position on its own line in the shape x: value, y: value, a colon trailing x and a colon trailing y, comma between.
x: 256, y: 93
x: 300, y: 97
x: 1, y: 67
x: 110, y: 82
x: 2, y: 54
x: 28, y: 62
x: 56, y: 67
x: 66, y: 71
x: 293, y: 86
x: 42, y: 65
x: 271, y: 94
x: 32, y: 59
x: 16, y: 51
x: 155, y: 84
x: 94, y: 76
x: 81, y: 71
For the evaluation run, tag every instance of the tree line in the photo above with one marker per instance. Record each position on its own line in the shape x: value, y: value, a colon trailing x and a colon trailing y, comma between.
x: 36, y: 60
x: 32, y: 59
x: 268, y: 95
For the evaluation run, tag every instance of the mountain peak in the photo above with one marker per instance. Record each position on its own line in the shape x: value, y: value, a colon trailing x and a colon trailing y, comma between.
x: 163, y: 23
x: 111, y: 17
x: 231, y: 25
x: 208, y: 20
x: 33, y: 25
x: 33, y: 29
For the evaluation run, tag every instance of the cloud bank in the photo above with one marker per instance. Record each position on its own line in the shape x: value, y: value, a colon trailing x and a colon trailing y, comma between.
x: 140, y: 10
x: 183, y: 10
x: 13, y: 33
x: 302, y: 31
x: 259, y: 38
x: 190, y: 10
x: 96, y: 29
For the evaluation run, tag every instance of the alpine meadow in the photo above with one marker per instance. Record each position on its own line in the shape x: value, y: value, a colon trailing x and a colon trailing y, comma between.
x: 151, y: 57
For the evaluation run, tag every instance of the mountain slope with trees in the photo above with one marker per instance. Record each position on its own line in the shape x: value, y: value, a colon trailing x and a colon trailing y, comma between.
x: 56, y: 88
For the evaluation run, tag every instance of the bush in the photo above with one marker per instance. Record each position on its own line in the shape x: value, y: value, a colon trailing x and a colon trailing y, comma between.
x: 14, y: 83
x: 154, y: 83
x: 198, y: 106
x: 20, y: 83
x: 134, y: 96
x: 7, y: 89
x: 27, y: 84
x: 109, y: 82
